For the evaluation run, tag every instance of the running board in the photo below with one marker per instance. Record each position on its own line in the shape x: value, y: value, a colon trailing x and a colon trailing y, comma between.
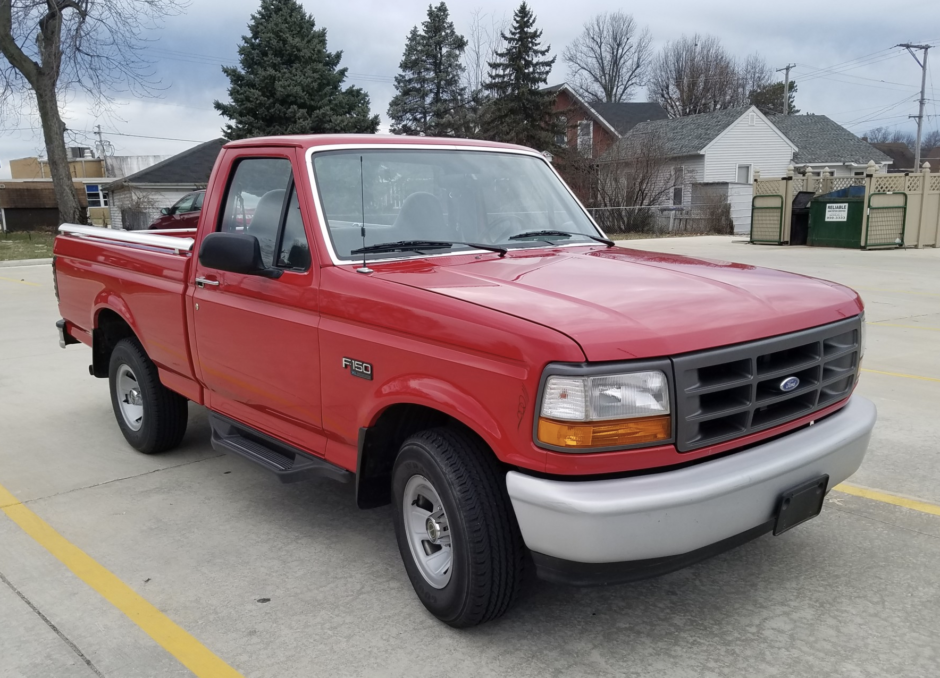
x: 288, y: 463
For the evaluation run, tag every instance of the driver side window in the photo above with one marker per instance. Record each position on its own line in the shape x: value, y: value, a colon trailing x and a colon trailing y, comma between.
x: 254, y: 201
x: 261, y: 201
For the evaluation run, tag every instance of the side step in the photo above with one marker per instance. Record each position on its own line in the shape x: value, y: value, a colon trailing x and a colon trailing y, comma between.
x: 288, y: 463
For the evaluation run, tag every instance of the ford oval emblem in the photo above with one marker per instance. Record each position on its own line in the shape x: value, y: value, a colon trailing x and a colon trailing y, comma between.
x: 789, y: 384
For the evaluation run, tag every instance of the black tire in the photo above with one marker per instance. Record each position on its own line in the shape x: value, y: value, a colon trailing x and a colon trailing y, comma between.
x: 488, y: 557
x: 165, y: 413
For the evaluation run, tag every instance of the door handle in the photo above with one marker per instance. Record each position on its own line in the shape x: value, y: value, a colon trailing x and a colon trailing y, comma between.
x: 203, y: 282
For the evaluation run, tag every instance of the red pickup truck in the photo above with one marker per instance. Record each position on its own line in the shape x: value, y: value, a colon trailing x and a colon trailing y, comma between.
x: 441, y: 323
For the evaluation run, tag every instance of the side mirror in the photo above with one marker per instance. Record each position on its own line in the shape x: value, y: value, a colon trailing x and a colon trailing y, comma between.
x: 236, y: 253
x: 165, y: 211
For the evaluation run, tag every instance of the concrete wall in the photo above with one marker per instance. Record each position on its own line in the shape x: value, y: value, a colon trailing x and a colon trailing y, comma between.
x: 120, y: 166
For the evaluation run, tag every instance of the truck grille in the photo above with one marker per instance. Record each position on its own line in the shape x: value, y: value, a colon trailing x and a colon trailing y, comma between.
x: 731, y: 392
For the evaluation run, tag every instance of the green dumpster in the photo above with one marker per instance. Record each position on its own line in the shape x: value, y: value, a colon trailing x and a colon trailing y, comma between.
x: 836, y: 222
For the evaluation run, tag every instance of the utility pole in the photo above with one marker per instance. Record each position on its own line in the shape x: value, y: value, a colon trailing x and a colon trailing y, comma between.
x: 923, y: 86
x: 786, y: 87
x: 101, y: 148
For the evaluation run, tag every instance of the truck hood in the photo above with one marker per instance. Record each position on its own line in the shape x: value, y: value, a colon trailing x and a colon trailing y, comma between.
x: 620, y: 304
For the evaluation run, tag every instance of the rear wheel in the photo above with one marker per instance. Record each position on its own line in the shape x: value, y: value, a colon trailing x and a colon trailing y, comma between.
x: 151, y: 417
x: 456, y: 530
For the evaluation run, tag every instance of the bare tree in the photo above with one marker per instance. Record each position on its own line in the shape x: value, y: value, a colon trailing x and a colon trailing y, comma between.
x: 694, y: 75
x: 610, y: 59
x: 753, y: 75
x: 54, y: 48
x: 484, y: 39
x: 629, y: 184
x: 931, y: 140
x: 886, y: 135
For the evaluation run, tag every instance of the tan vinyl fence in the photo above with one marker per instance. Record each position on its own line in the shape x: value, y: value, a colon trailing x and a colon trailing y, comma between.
x: 901, y: 204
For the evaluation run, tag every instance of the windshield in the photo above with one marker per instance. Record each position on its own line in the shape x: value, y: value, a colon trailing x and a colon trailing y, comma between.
x: 443, y: 196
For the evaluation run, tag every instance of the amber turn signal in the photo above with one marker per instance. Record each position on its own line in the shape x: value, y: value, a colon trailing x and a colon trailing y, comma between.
x: 618, y: 433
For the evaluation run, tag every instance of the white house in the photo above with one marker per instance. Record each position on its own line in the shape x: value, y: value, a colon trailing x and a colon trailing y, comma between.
x: 714, y: 155
x: 136, y: 199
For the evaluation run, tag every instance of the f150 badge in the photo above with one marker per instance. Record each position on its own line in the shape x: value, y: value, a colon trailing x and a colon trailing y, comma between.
x: 357, y: 368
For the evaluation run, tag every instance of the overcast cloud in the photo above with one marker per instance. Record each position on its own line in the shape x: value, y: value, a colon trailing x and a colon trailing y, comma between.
x: 188, y: 52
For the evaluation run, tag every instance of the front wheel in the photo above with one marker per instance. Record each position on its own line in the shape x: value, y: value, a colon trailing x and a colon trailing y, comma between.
x: 152, y: 417
x: 456, y: 530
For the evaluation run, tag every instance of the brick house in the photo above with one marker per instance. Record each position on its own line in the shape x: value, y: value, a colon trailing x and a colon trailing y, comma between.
x: 591, y: 128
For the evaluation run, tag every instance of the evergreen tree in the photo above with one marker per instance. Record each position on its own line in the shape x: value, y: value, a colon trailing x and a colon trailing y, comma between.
x: 519, y: 111
x: 288, y: 82
x: 769, y: 99
x: 431, y: 98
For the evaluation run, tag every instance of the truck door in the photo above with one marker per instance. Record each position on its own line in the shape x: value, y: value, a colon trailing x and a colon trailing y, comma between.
x: 256, y: 342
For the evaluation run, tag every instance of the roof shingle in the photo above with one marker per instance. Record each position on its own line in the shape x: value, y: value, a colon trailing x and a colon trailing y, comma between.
x: 192, y: 166
x: 690, y: 134
x: 626, y: 115
x: 821, y: 140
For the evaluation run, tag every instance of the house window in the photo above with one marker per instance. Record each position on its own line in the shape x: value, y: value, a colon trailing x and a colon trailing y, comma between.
x: 744, y: 174
x: 751, y: 119
x: 677, y: 187
x: 561, y: 139
x: 96, y: 197
x: 586, y: 138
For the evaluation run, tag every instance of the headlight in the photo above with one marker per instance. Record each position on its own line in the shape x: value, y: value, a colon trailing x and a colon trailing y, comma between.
x: 605, y: 411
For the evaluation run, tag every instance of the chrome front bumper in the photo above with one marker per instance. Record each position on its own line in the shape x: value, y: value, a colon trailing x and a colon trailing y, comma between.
x: 672, y: 513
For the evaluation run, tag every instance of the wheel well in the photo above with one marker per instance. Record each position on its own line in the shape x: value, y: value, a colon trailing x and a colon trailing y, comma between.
x: 110, y: 329
x: 379, y: 445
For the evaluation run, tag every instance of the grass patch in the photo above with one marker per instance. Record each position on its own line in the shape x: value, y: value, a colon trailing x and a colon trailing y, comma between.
x: 26, y: 246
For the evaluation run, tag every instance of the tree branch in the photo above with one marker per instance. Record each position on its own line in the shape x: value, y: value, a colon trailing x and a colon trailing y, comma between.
x: 8, y: 47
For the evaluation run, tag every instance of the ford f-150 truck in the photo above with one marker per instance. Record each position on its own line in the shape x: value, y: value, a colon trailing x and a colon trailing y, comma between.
x: 441, y: 323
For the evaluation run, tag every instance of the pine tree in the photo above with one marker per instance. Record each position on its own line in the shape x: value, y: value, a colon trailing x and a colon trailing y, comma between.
x: 431, y: 99
x: 288, y: 82
x: 519, y: 111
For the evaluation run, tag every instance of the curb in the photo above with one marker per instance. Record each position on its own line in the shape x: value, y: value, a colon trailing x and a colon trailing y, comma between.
x: 25, y: 262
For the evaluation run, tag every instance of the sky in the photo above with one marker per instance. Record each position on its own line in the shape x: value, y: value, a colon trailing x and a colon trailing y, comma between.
x: 846, y: 66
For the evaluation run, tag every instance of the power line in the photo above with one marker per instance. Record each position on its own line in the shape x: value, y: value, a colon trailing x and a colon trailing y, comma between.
x: 144, y: 136
x: 849, y: 65
x: 869, y: 117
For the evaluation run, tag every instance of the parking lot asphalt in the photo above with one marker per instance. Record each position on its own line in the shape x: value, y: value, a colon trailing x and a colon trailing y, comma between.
x: 293, y: 580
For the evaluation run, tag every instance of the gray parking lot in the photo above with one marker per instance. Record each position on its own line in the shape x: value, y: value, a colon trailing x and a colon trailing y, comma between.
x: 265, y: 579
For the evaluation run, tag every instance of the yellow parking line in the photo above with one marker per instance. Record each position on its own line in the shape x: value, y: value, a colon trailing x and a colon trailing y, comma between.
x: 913, y: 327
x: 887, y: 498
x: 190, y: 652
x: 899, y: 374
x: 21, y: 282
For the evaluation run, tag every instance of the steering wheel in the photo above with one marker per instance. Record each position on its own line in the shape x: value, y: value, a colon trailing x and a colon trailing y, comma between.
x: 504, y: 226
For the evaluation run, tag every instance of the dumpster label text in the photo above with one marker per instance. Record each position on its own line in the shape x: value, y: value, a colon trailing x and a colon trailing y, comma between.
x: 837, y: 212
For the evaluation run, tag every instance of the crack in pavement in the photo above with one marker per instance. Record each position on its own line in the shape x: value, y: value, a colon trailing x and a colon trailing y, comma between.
x: 46, y: 620
x: 117, y: 480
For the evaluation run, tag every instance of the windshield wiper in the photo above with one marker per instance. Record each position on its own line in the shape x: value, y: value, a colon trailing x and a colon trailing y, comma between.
x: 566, y: 234
x: 418, y: 245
